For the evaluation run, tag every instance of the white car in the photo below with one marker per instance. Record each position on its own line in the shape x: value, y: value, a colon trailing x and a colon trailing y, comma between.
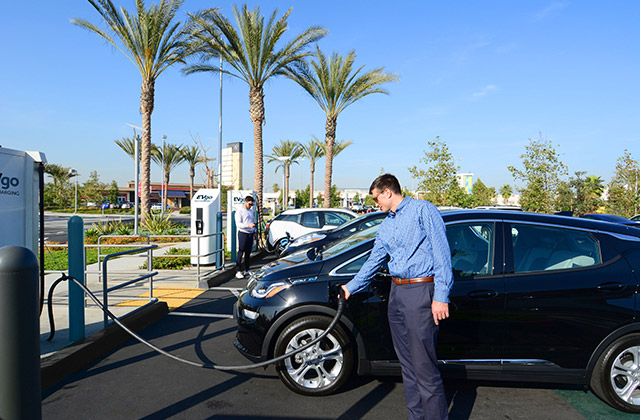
x: 291, y: 224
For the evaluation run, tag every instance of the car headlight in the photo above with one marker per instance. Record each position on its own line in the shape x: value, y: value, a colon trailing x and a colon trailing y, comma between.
x: 311, y: 237
x: 269, y: 290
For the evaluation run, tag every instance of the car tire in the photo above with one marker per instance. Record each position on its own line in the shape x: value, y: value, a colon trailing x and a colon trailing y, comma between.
x: 616, y: 376
x: 280, y: 245
x: 321, y: 369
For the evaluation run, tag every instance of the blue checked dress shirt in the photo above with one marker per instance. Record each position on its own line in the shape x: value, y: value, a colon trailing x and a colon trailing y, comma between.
x: 415, y: 239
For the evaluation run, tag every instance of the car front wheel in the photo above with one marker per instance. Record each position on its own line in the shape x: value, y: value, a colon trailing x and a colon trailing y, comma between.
x: 322, y: 368
x: 616, y: 377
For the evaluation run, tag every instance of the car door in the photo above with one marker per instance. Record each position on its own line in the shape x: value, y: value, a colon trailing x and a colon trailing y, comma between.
x: 566, y: 290
x: 472, y: 334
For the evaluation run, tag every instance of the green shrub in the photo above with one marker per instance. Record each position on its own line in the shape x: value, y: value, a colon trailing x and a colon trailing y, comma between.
x: 111, y: 227
x: 185, y: 210
x: 171, y: 263
x: 158, y: 224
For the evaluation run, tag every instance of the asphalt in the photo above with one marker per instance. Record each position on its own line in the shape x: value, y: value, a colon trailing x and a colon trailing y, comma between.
x: 112, y: 376
x: 60, y: 357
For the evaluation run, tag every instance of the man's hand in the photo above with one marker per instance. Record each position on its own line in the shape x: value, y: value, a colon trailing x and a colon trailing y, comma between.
x: 252, y: 225
x: 440, y: 311
x: 345, y: 292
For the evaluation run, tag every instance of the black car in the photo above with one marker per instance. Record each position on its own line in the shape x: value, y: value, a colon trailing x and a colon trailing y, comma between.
x: 536, y: 297
x: 613, y: 218
x: 322, y: 238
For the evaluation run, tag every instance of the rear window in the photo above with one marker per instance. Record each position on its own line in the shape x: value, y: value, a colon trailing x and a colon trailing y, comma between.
x: 335, y: 219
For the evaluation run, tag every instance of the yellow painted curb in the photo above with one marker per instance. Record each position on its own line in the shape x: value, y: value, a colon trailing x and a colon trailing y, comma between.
x: 173, y: 296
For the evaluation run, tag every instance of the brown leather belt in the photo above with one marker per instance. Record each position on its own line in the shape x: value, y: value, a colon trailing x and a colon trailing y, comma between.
x: 413, y: 280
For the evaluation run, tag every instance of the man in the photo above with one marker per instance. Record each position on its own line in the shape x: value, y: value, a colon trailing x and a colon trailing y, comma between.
x: 246, y: 229
x: 413, y: 235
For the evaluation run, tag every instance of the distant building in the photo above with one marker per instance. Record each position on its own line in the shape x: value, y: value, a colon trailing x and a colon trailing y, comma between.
x: 465, y: 181
x: 177, y: 194
x: 232, y: 166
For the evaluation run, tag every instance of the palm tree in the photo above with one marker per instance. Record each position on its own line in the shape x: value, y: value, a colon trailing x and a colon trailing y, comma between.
x: 153, y: 43
x: 128, y: 146
x: 192, y: 155
x: 287, y: 148
x: 60, y: 176
x: 167, y: 157
x: 252, y: 55
x: 58, y: 173
x: 335, y: 86
x: 339, y: 146
x: 313, y: 150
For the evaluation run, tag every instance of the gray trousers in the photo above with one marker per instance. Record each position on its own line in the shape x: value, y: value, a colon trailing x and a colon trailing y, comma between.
x: 414, y: 338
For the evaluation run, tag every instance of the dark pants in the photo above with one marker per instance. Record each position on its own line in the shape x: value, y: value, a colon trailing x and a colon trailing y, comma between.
x: 414, y: 338
x: 245, y: 243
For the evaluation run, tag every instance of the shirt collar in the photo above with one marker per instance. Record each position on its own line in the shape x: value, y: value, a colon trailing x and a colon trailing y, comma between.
x: 400, y: 207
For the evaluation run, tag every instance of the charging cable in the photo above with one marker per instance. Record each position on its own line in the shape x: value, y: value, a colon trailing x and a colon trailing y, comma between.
x: 334, y: 321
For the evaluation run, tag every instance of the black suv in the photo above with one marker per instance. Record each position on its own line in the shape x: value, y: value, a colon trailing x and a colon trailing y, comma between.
x: 536, y: 297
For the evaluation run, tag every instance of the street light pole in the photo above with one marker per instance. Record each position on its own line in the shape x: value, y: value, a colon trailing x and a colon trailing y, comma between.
x: 284, y: 160
x: 137, y: 188
x: 164, y: 166
x: 74, y: 173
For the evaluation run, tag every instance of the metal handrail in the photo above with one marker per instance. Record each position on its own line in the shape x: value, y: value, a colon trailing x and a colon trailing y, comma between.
x: 105, y: 290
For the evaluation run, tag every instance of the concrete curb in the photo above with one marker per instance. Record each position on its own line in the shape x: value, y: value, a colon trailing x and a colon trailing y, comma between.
x: 229, y: 272
x: 79, y: 355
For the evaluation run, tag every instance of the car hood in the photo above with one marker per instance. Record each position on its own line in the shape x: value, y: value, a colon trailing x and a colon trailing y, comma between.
x: 288, y: 267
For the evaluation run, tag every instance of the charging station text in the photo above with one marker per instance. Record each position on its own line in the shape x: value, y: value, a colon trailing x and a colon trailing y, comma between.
x: 7, y: 182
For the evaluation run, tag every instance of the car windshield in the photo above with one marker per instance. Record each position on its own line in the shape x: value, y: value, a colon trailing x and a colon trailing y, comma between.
x: 350, y: 241
x: 352, y: 222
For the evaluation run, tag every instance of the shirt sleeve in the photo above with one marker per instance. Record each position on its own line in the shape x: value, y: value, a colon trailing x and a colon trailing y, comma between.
x: 443, y: 274
x: 241, y: 219
x: 363, y: 278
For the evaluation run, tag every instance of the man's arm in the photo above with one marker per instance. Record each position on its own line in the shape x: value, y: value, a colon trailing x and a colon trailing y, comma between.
x: 443, y: 274
x: 363, y: 278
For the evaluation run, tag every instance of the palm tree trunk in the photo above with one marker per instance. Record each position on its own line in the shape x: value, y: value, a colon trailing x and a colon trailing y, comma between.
x: 146, y: 108
x: 256, y: 111
x: 312, y: 166
x: 192, y: 175
x: 330, y: 138
x: 166, y: 189
x: 287, y: 172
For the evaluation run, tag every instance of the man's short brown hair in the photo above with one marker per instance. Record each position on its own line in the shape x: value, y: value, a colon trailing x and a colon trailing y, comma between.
x: 384, y: 182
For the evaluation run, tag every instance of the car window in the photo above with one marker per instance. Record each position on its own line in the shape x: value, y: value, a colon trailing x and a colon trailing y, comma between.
x: 471, y: 247
x: 354, y: 266
x: 350, y: 241
x: 544, y: 248
x: 287, y: 218
x: 311, y: 220
x: 334, y: 219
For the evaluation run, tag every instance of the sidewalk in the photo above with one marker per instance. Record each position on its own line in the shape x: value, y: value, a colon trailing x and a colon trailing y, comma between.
x: 119, y: 270
x: 60, y: 357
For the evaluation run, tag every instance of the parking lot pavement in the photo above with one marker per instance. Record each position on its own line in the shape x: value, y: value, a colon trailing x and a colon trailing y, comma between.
x: 136, y: 382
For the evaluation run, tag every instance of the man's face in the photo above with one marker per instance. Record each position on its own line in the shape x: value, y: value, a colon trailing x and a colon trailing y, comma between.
x: 382, y: 198
x: 248, y: 204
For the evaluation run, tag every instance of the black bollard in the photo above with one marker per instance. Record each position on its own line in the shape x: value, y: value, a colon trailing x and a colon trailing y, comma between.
x: 20, y: 391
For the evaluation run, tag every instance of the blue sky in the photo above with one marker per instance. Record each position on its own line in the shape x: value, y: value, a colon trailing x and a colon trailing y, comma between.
x: 485, y: 76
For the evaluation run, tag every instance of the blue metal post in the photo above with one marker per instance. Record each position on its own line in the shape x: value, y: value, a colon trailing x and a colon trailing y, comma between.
x: 19, y: 334
x: 234, y: 237
x: 76, y: 270
x: 219, y: 255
